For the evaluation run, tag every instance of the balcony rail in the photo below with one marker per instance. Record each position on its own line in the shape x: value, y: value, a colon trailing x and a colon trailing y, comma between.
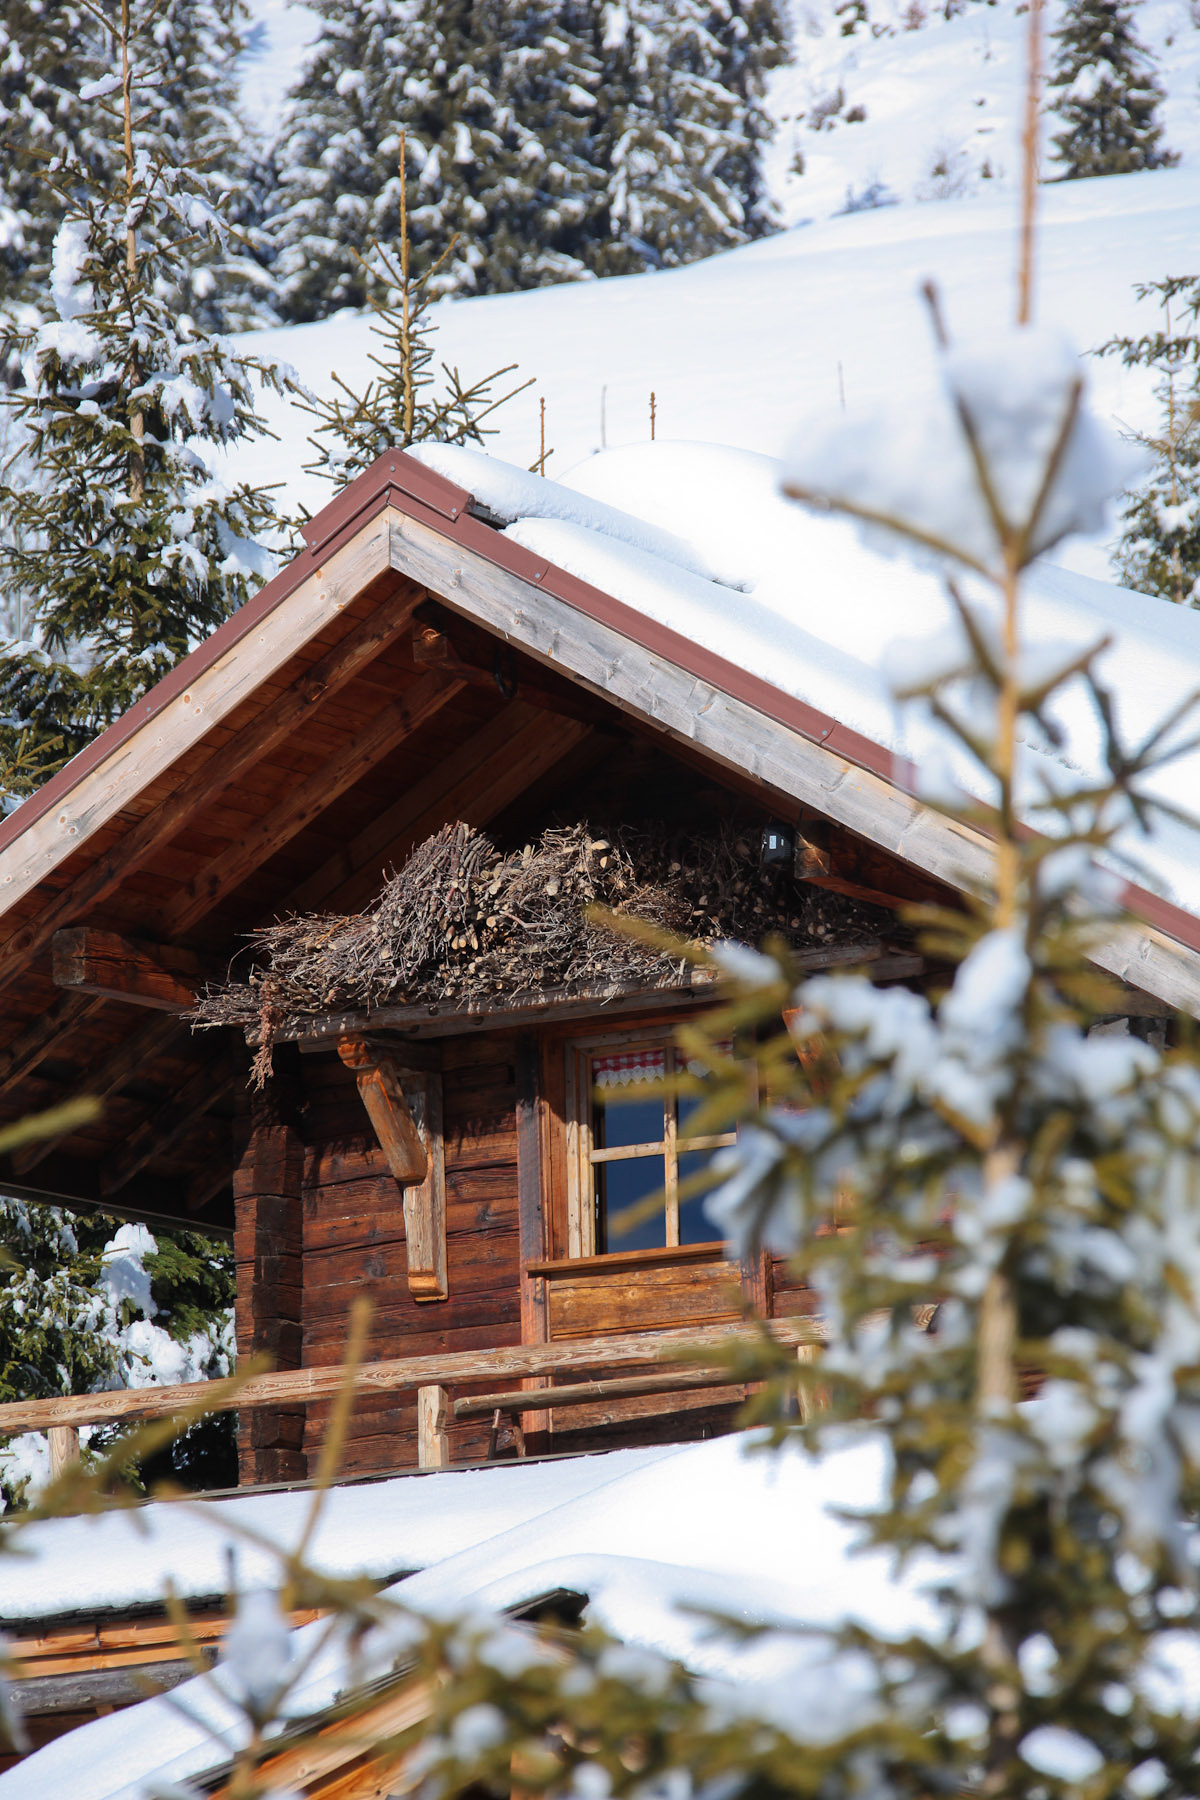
x: 430, y: 1377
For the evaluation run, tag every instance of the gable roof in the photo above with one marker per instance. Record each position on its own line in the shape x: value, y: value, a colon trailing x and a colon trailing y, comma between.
x: 242, y: 782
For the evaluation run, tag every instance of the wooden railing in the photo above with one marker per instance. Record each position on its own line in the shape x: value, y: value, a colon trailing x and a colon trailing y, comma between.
x: 430, y: 1377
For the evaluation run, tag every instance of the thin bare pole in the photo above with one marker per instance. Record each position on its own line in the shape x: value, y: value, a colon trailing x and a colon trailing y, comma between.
x: 542, y: 435
x: 653, y: 414
x: 1029, y: 159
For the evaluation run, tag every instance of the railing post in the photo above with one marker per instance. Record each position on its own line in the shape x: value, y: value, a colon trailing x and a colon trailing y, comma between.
x: 433, y: 1428
x: 64, y: 1449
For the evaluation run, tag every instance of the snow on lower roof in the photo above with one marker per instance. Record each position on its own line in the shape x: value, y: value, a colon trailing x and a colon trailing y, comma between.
x: 646, y: 1535
x: 819, y: 606
x: 117, y: 1560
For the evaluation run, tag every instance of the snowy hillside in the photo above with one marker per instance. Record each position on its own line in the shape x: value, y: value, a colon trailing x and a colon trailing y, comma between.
x: 748, y: 347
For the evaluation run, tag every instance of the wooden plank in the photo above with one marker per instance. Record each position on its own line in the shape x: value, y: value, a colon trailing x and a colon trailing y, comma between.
x: 736, y: 735
x: 64, y: 1449
x: 531, y: 1191
x: 425, y: 1202
x: 156, y: 1135
x: 44, y: 1036
x: 433, y: 1419
x: 296, y: 1386
x: 378, y: 736
x: 88, y: 959
x: 170, y: 733
x: 41, y: 1696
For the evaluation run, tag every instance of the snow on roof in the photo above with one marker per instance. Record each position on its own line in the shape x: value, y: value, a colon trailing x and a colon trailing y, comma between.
x: 646, y: 1535
x: 819, y: 606
x: 117, y: 1560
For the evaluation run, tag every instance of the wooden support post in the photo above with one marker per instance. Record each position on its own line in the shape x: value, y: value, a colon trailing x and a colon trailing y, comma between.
x: 64, y: 1449
x: 531, y: 1221
x: 433, y: 1428
x: 405, y: 1109
x: 268, y: 1247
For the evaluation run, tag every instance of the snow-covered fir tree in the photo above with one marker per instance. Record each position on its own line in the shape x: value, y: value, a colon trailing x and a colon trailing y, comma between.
x: 121, y: 547
x: 48, y: 51
x: 87, y: 1303
x: 1104, y: 89
x: 54, y: 59
x: 550, y: 139
x: 1159, y: 548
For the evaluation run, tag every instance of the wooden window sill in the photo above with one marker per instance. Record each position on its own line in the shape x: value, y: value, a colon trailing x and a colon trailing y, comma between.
x: 630, y: 1259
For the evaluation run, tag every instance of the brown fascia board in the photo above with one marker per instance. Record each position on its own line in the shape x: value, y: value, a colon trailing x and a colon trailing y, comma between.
x: 400, y: 481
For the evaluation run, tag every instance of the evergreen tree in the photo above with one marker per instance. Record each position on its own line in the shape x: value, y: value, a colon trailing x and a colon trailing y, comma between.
x: 48, y: 50
x: 87, y: 1303
x: 336, y: 160
x: 1107, y: 94
x: 550, y: 139
x: 56, y: 65
x: 122, y: 548
x: 1159, y: 547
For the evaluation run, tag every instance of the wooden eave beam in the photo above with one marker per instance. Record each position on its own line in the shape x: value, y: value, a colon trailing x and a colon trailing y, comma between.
x: 71, y: 1181
x: 88, y: 959
x: 379, y: 735
x: 159, y: 1133
x: 576, y: 639
x: 166, y: 739
x: 558, y: 1005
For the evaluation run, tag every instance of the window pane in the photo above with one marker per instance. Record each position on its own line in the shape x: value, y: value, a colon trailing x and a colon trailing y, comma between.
x: 694, y: 1227
x: 689, y: 1105
x: 620, y: 1184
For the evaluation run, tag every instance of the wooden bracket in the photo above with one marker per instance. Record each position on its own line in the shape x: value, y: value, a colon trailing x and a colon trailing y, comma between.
x: 405, y: 1109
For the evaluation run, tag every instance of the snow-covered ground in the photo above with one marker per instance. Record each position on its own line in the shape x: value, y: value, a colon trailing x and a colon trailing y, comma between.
x: 652, y: 1538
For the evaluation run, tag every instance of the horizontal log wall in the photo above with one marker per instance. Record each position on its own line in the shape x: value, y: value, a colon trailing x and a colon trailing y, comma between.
x: 354, y: 1242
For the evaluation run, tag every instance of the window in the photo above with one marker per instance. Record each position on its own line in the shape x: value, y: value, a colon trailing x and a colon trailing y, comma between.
x: 627, y: 1141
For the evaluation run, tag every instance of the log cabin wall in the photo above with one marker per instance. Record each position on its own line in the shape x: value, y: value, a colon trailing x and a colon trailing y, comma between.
x: 353, y: 1239
x: 343, y: 1224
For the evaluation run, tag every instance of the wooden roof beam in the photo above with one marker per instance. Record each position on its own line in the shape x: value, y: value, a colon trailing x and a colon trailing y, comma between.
x: 116, y: 1068
x: 44, y: 1036
x: 88, y: 959
x: 402, y: 719
x: 159, y: 1133
x: 476, y: 783
x: 204, y: 785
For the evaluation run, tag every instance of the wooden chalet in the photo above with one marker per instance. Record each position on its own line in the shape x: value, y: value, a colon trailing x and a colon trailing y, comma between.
x: 458, y: 1161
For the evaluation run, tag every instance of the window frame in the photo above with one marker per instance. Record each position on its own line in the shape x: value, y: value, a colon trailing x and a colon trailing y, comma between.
x: 583, y: 1157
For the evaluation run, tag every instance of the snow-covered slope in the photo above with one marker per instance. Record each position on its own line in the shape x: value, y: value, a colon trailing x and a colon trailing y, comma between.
x: 747, y: 348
